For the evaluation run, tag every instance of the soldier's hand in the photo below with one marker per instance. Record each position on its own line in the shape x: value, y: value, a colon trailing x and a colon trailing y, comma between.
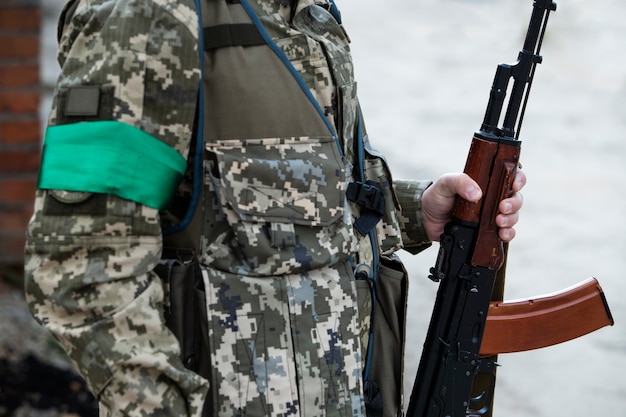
x: 438, y: 201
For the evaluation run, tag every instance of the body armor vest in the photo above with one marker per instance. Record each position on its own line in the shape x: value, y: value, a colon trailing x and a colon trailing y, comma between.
x: 296, y: 212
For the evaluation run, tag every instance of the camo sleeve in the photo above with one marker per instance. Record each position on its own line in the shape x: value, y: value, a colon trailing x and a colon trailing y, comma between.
x: 89, y: 255
x: 409, y: 193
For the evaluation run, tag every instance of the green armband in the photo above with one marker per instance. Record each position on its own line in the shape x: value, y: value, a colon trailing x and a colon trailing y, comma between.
x: 110, y: 157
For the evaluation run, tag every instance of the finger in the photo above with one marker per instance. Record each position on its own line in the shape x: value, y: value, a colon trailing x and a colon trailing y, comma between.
x: 505, y: 221
x: 520, y: 181
x: 506, y: 234
x: 512, y: 204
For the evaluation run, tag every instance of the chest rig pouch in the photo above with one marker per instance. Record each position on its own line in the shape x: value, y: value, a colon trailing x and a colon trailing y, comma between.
x: 277, y: 171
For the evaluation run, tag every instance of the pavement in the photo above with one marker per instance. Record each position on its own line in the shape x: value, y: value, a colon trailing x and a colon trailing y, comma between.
x: 424, y: 69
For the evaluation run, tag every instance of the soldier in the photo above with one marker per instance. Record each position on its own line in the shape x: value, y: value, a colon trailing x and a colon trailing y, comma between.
x: 298, y: 215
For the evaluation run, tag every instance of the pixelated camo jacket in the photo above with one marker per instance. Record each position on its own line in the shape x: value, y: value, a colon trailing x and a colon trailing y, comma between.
x: 279, y: 246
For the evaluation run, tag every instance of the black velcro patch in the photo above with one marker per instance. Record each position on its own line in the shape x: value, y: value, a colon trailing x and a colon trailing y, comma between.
x: 85, y: 103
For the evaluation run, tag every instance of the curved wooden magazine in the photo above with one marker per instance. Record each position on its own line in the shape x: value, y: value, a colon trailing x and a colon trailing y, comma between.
x: 515, y: 326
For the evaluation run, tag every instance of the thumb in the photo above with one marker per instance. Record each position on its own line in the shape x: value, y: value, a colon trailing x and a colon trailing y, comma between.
x: 461, y: 184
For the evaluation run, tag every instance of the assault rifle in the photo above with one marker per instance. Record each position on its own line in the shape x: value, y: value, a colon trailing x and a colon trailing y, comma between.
x: 466, y: 325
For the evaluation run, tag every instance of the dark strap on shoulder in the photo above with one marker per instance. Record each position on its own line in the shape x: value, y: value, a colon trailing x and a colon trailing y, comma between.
x: 239, y: 34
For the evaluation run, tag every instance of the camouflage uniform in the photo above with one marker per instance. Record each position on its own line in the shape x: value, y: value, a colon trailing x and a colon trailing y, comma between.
x: 288, y: 332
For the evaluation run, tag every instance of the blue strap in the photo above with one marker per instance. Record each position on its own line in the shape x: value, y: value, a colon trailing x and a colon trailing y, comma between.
x: 199, y: 155
x: 334, y: 10
x: 285, y: 60
x: 374, y: 242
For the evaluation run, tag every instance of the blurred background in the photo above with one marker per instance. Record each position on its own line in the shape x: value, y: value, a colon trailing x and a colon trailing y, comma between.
x: 424, y: 69
x: 36, y: 378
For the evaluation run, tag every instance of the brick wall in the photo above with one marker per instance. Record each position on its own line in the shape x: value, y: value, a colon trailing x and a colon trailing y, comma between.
x: 20, y: 127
